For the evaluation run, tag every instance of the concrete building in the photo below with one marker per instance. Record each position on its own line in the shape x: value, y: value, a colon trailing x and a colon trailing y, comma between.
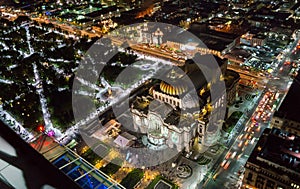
x: 231, y: 79
x: 275, y: 162
x: 170, y: 115
x: 253, y: 39
x: 287, y: 116
x: 23, y: 167
x: 217, y: 43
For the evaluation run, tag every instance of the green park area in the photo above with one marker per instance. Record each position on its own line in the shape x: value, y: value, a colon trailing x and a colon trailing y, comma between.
x: 132, y: 178
x: 231, y: 121
x: 112, y: 167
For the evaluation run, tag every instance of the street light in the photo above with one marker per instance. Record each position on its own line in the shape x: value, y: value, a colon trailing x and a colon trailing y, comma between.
x: 173, y: 165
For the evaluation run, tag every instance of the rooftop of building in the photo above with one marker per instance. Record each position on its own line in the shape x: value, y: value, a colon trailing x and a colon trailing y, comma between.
x: 141, y: 103
x: 236, y: 26
x: 231, y: 77
x: 289, y: 109
x: 103, y: 11
x: 239, y: 54
x: 255, y: 30
x: 168, y: 114
x: 296, y: 6
x: 282, y: 30
x: 278, y: 151
x: 23, y: 167
x: 183, y: 86
x: 213, y: 39
x: 264, y: 15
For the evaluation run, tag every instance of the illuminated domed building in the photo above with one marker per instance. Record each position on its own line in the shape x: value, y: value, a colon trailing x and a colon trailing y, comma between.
x: 177, y: 115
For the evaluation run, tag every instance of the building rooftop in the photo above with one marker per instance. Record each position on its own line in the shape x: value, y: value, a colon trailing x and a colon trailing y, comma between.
x: 165, y: 111
x: 289, y: 108
x: 103, y: 11
x: 230, y: 78
x: 238, y: 54
x: 278, y: 152
x: 142, y: 103
x: 213, y: 39
x: 23, y: 167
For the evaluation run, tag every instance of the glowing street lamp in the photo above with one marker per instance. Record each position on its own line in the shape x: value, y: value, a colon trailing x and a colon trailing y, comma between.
x: 41, y: 128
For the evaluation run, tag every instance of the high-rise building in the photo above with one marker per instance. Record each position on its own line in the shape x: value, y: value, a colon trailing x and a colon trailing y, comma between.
x: 23, y: 167
x: 287, y: 116
x: 275, y: 162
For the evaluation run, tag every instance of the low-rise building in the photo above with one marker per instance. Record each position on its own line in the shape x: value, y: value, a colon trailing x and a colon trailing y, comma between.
x: 253, y: 39
x: 216, y: 43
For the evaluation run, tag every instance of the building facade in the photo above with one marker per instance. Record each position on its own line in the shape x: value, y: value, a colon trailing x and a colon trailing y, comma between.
x: 170, y: 115
x: 274, y: 163
x: 280, y: 122
x: 253, y: 39
x: 287, y: 115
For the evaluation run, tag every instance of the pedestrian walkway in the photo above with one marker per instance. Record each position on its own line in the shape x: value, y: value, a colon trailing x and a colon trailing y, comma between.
x: 122, y: 172
x: 149, y: 176
x: 110, y: 156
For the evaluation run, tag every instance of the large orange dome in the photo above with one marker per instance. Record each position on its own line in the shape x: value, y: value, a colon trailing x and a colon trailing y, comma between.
x: 172, y: 90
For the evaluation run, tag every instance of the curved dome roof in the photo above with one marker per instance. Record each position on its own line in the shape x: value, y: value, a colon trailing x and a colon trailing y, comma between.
x: 172, y: 90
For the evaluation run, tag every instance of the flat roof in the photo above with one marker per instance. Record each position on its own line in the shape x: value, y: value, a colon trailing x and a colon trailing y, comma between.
x: 24, y: 167
x: 281, y: 148
x: 289, y: 108
x: 216, y: 40
x: 236, y: 52
x: 230, y: 78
